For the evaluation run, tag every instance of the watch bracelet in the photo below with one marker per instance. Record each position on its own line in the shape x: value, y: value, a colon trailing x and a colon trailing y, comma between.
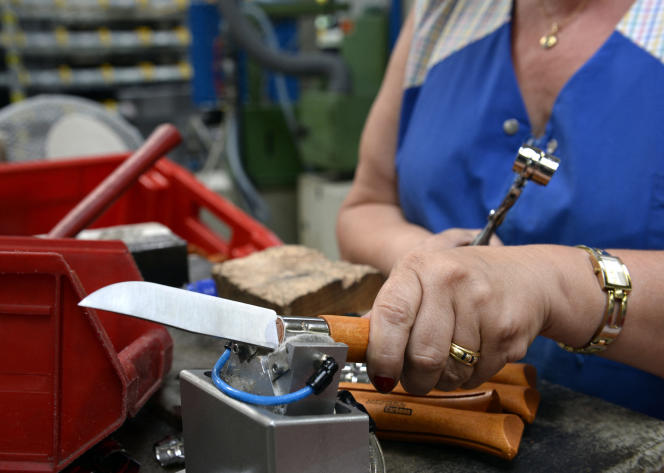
x: 601, y: 340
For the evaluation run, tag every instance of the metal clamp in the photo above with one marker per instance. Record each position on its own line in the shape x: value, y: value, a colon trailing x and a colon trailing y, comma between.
x: 531, y: 164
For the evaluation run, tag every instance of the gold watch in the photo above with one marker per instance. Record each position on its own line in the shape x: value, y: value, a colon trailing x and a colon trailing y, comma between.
x: 614, y: 279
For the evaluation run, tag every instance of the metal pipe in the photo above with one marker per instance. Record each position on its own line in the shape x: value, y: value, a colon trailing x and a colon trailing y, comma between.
x: 245, y: 36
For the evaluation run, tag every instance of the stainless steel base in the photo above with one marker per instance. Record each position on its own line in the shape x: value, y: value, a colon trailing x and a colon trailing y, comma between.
x: 224, y: 435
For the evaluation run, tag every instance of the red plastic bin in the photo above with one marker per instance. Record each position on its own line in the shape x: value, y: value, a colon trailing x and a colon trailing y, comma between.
x: 70, y: 376
x: 34, y: 196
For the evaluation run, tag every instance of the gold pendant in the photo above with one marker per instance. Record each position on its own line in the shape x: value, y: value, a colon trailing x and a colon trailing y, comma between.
x: 548, y: 41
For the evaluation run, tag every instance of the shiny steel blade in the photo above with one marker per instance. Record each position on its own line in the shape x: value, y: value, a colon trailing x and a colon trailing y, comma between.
x: 188, y: 310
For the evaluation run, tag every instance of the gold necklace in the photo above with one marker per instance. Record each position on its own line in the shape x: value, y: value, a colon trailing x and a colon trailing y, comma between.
x: 550, y: 39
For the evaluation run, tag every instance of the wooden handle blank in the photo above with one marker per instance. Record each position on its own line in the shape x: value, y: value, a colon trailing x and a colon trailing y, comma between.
x: 353, y: 331
x: 520, y: 400
x: 496, y: 434
x: 521, y: 374
x: 481, y: 401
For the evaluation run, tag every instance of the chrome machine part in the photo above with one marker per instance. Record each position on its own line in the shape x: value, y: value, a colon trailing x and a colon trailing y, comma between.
x: 531, y: 164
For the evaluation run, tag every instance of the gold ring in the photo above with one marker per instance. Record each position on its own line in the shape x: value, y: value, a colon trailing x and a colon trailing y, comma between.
x: 463, y: 355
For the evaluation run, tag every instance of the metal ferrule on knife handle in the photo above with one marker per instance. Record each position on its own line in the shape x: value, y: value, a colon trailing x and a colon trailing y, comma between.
x: 295, y: 325
x: 353, y: 331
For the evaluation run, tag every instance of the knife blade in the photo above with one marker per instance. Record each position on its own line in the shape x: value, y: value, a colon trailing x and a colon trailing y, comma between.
x: 223, y: 318
x: 191, y: 311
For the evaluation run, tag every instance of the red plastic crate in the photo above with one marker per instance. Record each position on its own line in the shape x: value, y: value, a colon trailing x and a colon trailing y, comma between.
x: 70, y: 376
x: 34, y: 196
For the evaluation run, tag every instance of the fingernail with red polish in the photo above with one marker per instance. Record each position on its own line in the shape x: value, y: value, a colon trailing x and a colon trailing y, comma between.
x: 383, y: 383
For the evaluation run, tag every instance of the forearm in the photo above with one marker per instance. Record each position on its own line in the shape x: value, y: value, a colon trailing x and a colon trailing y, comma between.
x: 376, y: 234
x: 578, y: 305
x: 640, y: 342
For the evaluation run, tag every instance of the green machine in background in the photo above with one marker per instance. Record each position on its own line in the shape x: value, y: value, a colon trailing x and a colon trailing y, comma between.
x: 269, y: 152
x: 329, y: 122
x: 334, y: 121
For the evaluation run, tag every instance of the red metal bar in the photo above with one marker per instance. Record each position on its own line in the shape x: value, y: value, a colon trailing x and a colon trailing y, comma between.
x: 162, y: 140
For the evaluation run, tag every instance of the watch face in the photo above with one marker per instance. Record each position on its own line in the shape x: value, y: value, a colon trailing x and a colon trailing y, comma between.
x: 614, y: 272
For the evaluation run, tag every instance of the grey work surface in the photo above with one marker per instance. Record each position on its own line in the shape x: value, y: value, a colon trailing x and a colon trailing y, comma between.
x: 572, y: 431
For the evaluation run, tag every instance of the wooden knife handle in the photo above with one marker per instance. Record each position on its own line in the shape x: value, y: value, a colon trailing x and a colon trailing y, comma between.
x: 496, y: 434
x: 353, y: 331
x: 520, y: 400
x: 521, y: 374
x: 481, y: 401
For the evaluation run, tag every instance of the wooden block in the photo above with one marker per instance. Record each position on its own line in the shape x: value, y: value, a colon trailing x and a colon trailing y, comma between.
x: 296, y: 280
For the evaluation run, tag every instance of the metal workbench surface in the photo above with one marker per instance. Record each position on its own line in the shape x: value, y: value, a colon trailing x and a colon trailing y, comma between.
x: 572, y: 431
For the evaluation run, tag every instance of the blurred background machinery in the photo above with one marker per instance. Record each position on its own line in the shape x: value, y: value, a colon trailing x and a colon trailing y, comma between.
x: 130, y: 56
x: 270, y: 95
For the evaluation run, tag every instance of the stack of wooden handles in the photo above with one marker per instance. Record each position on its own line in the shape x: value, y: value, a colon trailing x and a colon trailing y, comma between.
x: 489, y: 418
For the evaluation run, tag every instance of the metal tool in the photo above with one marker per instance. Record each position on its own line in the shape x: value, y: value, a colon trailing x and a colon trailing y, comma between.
x: 269, y: 356
x: 531, y: 164
x: 224, y: 318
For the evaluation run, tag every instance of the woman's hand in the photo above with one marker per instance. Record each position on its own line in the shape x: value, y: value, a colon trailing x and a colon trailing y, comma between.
x: 489, y: 300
